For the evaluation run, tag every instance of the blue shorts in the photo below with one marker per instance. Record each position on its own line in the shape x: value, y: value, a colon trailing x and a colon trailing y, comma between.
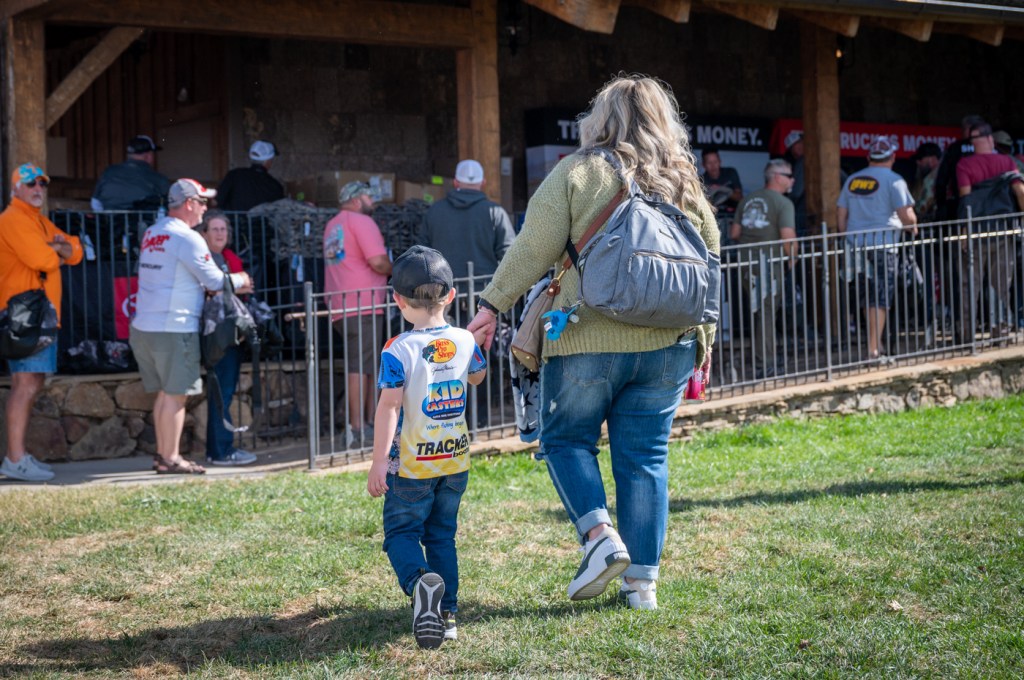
x: 43, y: 361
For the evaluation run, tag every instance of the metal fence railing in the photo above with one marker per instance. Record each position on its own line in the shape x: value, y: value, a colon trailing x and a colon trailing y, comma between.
x: 788, y: 317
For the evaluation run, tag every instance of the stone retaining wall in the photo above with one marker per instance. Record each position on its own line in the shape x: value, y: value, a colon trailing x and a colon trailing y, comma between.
x: 110, y: 416
x: 945, y: 383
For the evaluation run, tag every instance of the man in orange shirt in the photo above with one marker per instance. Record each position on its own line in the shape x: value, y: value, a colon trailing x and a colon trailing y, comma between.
x: 32, y: 249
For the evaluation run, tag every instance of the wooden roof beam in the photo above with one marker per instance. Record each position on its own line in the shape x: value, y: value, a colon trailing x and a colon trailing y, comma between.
x: 597, y: 16
x: 990, y: 34
x: 762, y: 16
x: 10, y: 8
x: 843, y: 24
x: 82, y: 76
x: 371, y: 23
x: 673, y: 10
x: 920, y: 30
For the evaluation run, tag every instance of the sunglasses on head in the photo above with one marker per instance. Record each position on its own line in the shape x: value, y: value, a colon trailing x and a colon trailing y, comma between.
x: 33, y: 182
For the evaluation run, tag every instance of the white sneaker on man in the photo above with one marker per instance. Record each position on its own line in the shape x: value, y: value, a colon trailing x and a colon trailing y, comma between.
x: 640, y: 594
x: 26, y: 470
x: 604, y: 558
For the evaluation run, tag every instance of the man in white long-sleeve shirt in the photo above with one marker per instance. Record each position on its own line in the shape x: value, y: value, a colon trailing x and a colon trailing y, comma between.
x: 175, y: 271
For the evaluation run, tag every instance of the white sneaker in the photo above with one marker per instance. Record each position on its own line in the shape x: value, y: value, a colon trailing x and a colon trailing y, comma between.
x: 25, y: 469
x: 640, y: 594
x: 39, y: 463
x: 604, y: 558
x: 236, y: 457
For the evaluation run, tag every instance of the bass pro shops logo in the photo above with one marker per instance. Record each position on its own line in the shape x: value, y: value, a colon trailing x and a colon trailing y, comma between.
x: 863, y: 186
x: 445, y: 400
x: 439, y: 351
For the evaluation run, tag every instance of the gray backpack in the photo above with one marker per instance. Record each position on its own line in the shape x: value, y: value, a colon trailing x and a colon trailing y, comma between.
x: 649, y: 266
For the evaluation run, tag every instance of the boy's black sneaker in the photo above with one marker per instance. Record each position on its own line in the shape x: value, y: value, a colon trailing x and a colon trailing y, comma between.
x: 451, y: 631
x: 427, y: 622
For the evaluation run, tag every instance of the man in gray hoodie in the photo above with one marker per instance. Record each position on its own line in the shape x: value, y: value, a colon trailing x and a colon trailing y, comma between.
x: 467, y: 227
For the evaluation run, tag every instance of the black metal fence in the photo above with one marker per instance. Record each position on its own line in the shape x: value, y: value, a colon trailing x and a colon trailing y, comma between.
x: 808, y: 315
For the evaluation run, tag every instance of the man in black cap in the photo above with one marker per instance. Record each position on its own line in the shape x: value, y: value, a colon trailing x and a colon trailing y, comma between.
x: 134, y: 184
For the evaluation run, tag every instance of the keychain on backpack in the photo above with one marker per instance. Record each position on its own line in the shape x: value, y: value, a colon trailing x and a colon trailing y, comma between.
x: 558, y: 319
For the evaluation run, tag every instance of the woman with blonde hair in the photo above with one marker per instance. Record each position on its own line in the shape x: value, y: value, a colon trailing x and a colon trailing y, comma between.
x: 601, y: 370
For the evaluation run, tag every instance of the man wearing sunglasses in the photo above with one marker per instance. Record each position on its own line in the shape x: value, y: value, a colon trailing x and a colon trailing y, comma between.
x: 32, y: 250
x: 176, y: 270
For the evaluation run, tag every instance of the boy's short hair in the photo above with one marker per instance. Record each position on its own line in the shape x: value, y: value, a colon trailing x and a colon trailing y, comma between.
x: 422, y: 275
x: 427, y: 296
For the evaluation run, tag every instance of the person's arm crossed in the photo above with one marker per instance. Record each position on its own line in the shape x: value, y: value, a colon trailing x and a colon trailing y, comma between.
x: 385, y: 424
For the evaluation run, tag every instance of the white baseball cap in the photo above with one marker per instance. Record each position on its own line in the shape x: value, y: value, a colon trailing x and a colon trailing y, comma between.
x: 262, y: 151
x: 184, y: 189
x: 793, y: 137
x: 469, y: 172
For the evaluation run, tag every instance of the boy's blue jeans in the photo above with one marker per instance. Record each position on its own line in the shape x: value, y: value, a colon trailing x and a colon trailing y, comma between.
x: 637, y: 394
x: 422, y: 514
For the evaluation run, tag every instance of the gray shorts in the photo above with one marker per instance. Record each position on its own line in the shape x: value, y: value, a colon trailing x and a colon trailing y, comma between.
x: 168, y: 362
x: 363, y: 336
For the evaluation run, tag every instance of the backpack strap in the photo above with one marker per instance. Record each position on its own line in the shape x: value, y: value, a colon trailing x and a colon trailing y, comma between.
x: 599, y: 221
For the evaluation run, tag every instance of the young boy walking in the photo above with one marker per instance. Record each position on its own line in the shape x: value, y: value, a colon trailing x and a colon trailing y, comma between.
x: 421, y: 441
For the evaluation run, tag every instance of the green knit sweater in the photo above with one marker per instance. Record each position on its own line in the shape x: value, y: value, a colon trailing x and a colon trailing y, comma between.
x: 565, y: 204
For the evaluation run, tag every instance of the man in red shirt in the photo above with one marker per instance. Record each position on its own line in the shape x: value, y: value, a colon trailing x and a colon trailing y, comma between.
x: 993, y: 255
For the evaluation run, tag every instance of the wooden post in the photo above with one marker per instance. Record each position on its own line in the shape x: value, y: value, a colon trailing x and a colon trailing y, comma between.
x: 478, y: 112
x: 820, y: 78
x: 821, y: 123
x: 24, y: 94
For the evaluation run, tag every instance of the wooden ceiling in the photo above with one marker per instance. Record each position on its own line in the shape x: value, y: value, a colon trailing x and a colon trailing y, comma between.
x: 917, y: 19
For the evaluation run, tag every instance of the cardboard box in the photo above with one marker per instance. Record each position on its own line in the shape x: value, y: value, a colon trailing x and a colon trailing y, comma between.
x: 429, y: 192
x: 322, y: 190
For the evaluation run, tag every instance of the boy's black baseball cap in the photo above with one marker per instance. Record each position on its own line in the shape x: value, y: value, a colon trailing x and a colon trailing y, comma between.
x: 417, y: 266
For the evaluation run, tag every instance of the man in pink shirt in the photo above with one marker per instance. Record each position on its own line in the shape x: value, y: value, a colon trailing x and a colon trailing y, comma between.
x: 356, y: 268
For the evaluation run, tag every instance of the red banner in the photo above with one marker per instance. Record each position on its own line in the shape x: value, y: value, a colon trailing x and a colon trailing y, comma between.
x: 125, y: 288
x: 855, y: 138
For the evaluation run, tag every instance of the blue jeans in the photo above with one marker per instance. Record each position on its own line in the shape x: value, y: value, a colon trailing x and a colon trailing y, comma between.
x: 424, y: 512
x: 637, y: 393
x: 219, y: 441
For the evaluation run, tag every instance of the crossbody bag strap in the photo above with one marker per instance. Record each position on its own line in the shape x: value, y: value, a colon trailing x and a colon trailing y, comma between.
x: 555, y: 286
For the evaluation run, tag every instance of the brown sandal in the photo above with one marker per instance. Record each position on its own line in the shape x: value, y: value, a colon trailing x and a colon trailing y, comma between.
x: 178, y: 467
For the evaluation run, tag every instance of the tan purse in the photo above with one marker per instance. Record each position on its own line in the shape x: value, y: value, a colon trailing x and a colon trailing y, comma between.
x: 528, y: 340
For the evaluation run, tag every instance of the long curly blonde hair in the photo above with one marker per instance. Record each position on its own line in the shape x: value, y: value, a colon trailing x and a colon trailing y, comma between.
x: 637, y: 117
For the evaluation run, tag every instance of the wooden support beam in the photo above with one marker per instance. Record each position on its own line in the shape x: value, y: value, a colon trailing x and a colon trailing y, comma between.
x: 820, y: 84
x: 11, y: 8
x: 479, y: 114
x: 920, y: 30
x: 990, y: 34
x: 24, y: 93
x: 762, y: 16
x: 381, y: 22
x: 96, y: 62
x: 597, y: 16
x: 843, y: 24
x: 673, y: 10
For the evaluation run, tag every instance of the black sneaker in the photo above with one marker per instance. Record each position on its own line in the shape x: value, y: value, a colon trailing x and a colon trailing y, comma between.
x: 451, y: 631
x: 427, y: 624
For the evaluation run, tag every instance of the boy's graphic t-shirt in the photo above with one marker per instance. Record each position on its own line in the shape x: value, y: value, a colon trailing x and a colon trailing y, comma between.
x: 431, y: 365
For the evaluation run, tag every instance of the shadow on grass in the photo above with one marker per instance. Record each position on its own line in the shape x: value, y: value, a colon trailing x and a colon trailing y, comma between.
x: 849, y: 489
x: 251, y: 642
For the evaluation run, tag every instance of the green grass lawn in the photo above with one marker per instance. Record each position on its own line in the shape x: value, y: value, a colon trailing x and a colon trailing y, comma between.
x: 883, y: 546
